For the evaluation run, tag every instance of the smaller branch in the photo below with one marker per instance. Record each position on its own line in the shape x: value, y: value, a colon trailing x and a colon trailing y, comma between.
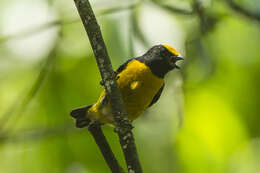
x: 20, y: 107
x: 117, y: 9
x: 199, y: 10
x: 34, y: 135
x: 55, y: 23
x: 104, y: 147
x: 207, y: 20
x: 130, y: 34
x: 243, y: 11
x: 173, y: 9
x: 137, y: 31
x: 30, y: 31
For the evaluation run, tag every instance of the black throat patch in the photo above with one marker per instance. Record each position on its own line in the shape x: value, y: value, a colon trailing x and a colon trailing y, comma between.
x: 155, y: 59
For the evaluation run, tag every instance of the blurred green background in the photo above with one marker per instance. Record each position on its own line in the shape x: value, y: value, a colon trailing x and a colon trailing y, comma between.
x: 207, y: 119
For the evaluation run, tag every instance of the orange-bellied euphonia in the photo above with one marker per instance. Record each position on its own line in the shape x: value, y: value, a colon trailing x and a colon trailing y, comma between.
x: 141, y: 81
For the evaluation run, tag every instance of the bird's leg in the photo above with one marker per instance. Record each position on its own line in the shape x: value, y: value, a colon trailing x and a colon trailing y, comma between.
x: 116, y: 75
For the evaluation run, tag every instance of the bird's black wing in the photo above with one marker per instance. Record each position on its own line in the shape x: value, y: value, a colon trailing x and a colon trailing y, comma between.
x: 157, y: 96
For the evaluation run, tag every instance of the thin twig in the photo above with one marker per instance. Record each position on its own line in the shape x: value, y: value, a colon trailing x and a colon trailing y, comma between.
x: 21, y: 106
x: 117, y: 9
x: 123, y: 125
x: 243, y: 11
x: 33, y: 135
x: 173, y: 9
x: 199, y: 10
x: 30, y: 31
x: 131, y: 32
x: 55, y: 23
x: 101, y: 141
x: 137, y: 31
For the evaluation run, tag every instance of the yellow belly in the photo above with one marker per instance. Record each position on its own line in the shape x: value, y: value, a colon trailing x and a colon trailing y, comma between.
x: 137, y: 85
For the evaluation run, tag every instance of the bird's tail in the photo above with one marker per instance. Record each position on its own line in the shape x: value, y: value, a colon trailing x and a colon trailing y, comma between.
x: 80, y: 115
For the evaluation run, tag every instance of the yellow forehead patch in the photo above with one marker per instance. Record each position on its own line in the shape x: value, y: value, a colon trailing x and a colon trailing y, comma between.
x: 171, y: 49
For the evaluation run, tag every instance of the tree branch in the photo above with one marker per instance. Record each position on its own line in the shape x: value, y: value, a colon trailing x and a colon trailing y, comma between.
x: 243, y: 11
x: 100, y: 139
x: 123, y: 125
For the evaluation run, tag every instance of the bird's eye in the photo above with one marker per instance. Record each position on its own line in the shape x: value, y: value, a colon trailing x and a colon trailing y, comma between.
x: 173, y: 59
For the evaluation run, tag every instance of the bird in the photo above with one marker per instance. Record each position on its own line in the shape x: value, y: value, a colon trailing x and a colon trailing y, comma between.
x: 141, y: 82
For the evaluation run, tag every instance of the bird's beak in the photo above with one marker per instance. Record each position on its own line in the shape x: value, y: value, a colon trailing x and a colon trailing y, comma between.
x: 177, y: 58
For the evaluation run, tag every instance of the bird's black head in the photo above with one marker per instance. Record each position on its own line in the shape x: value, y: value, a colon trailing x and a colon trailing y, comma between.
x: 161, y: 59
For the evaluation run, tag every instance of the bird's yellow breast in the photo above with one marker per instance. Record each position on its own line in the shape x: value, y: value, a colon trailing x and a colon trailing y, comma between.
x: 138, y: 85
